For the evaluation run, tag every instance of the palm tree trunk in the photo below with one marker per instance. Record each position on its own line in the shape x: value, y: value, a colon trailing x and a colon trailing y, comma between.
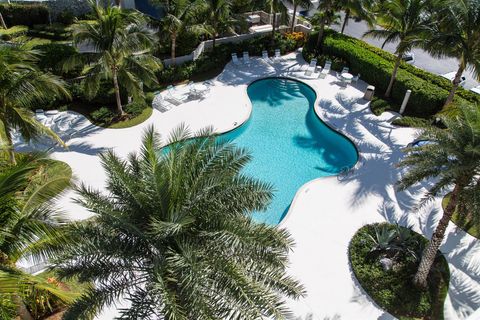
x: 22, y: 310
x: 174, y: 44
x: 320, y: 34
x: 2, y: 22
x: 456, y: 82
x: 11, y: 152
x: 274, y: 23
x: 117, y: 92
x: 345, y: 20
x: 430, y: 252
x: 294, y: 15
x: 394, y: 76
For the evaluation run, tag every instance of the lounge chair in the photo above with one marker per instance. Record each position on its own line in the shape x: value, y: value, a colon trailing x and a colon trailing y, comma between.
x: 326, y: 69
x: 311, y: 68
x: 277, y: 54
x: 160, y: 104
x: 235, y: 59
x: 356, y: 78
x: 344, y: 70
x: 171, y: 96
x: 246, y: 57
x: 265, y: 55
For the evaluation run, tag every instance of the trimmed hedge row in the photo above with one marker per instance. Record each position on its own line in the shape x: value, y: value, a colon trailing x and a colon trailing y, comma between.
x: 376, y: 66
x: 24, y: 14
x: 13, y: 32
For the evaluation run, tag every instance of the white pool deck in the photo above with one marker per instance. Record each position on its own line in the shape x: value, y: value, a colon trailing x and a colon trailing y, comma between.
x: 326, y: 212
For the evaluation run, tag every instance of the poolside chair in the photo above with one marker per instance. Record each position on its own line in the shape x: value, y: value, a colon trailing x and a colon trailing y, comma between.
x: 235, y: 59
x: 356, y: 78
x: 265, y: 55
x: 311, y: 68
x: 246, y: 57
x: 160, y: 104
x: 344, y: 70
x: 278, y: 56
x: 171, y: 97
x: 326, y: 69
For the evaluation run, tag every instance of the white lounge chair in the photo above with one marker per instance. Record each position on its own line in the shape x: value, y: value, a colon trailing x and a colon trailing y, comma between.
x: 172, y: 97
x: 265, y: 55
x: 356, y: 78
x: 277, y: 54
x: 246, y: 57
x: 344, y: 70
x: 326, y: 69
x: 160, y: 104
x: 235, y: 59
x: 311, y: 68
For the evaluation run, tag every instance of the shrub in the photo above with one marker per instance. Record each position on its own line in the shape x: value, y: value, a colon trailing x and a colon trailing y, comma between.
x: 24, y: 14
x: 376, y: 65
x: 392, y: 289
x: 13, y: 32
x: 54, y: 31
x: 102, y: 115
x: 53, y: 55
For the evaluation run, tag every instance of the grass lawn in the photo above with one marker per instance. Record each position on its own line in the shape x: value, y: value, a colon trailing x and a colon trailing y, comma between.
x: 465, y: 224
x: 146, y: 113
x: 392, y: 289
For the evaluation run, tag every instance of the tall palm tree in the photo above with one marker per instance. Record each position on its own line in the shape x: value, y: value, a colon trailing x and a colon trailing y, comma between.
x: 181, y: 16
x: 175, y: 236
x: 23, y: 87
x: 306, y: 4
x: 358, y: 8
x: 405, y: 22
x: 457, y: 34
x: 121, y: 43
x: 453, y: 161
x: 219, y: 17
x: 31, y: 227
x: 326, y: 15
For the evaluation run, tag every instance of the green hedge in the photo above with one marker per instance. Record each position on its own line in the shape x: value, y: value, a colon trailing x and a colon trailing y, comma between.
x: 375, y: 67
x: 13, y: 32
x: 24, y: 14
x: 393, y: 289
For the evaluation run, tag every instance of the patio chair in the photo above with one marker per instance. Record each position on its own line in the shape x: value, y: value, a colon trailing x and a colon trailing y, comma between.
x: 265, y: 55
x: 171, y: 97
x: 344, y: 70
x: 311, y: 68
x: 246, y: 57
x: 235, y: 59
x: 278, y: 56
x: 326, y: 69
x: 160, y: 104
x: 356, y: 78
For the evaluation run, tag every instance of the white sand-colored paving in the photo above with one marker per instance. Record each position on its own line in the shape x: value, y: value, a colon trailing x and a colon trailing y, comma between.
x: 326, y: 212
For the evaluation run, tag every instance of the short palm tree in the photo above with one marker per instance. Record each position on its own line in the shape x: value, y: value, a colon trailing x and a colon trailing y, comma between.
x: 306, y: 4
x: 326, y: 15
x: 175, y: 237
x: 23, y: 87
x: 219, y: 17
x: 121, y: 43
x: 405, y: 22
x: 453, y: 161
x: 457, y: 34
x: 31, y: 227
x: 181, y: 16
x: 357, y: 8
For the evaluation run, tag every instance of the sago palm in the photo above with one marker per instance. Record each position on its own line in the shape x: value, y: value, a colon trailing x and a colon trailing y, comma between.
x: 405, y: 22
x: 121, y: 43
x: 174, y: 236
x: 31, y: 227
x: 23, y: 87
x: 456, y: 34
x: 452, y: 160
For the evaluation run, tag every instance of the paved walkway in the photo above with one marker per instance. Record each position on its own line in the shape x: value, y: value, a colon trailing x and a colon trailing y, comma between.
x: 326, y: 212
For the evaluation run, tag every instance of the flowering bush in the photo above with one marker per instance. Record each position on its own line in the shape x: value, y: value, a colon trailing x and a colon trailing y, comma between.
x: 298, y: 37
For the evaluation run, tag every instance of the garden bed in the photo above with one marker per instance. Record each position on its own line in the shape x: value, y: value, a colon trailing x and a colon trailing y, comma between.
x: 390, y: 285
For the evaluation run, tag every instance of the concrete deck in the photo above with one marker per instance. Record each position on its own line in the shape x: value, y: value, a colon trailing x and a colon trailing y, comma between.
x: 325, y: 212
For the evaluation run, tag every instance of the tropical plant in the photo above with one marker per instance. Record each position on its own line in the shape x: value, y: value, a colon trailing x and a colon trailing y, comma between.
x: 405, y: 22
x: 326, y: 15
x: 452, y: 159
x: 176, y: 238
x: 359, y: 8
x: 457, y: 34
x: 22, y: 87
x: 276, y: 7
x: 121, y: 43
x: 219, y: 18
x: 31, y: 228
x: 306, y: 4
x: 181, y: 16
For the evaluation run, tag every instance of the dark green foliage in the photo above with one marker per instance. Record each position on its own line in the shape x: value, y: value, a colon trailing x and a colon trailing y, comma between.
x: 393, y: 290
x: 24, y: 14
x: 429, y: 91
x: 412, y: 122
x: 55, y: 31
x: 103, y: 115
x: 53, y: 55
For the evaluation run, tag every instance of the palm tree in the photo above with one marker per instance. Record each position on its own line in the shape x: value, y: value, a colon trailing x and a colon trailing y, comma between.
x: 219, y: 17
x: 121, y: 43
x: 357, y: 8
x: 275, y: 7
x: 306, y: 4
x: 180, y: 16
x: 175, y: 236
x: 457, y: 34
x: 31, y: 227
x: 23, y: 87
x: 453, y: 161
x: 326, y: 15
x: 405, y: 22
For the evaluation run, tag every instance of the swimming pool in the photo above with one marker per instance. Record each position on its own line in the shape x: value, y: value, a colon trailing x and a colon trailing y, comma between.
x: 290, y: 145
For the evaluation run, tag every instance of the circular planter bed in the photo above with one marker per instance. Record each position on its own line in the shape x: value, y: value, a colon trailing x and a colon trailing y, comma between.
x: 384, y: 259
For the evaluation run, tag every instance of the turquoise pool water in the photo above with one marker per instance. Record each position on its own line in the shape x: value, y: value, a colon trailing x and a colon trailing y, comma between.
x: 290, y: 145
